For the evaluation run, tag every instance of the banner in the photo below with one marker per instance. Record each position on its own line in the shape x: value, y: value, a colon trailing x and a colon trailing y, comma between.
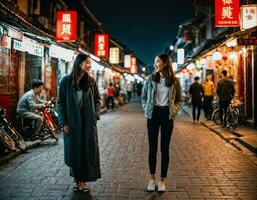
x: 66, y: 26
x: 114, y: 55
x: 102, y: 45
x: 227, y: 13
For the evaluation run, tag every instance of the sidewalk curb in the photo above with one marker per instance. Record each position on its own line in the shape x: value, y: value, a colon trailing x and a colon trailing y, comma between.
x: 229, y: 136
x: 13, y: 155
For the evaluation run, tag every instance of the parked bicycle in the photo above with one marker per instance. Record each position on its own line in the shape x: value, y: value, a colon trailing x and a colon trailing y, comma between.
x: 233, y: 114
x: 9, y: 136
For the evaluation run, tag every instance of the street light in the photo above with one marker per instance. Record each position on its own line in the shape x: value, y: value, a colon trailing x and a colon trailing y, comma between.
x: 171, y: 47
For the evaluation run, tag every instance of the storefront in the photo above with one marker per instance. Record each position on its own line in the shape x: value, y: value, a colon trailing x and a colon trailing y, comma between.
x: 240, y: 60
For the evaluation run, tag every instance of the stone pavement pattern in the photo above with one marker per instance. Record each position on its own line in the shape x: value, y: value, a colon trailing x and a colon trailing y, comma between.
x: 202, y: 165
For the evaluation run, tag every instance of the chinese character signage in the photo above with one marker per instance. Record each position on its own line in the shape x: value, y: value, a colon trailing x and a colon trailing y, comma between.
x: 102, y: 45
x: 114, y: 55
x: 133, y: 68
x: 127, y: 61
x: 226, y: 13
x: 248, y: 16
x: 30, y: 46
x: 66, y: 26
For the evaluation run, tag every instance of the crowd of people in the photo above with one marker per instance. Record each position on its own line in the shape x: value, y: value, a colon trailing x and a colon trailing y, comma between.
x: 202, y: 94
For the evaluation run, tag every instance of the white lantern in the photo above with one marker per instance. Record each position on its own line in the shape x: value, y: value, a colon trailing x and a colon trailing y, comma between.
x: 181, y: 56
x: 203, y: 61
x: 191, y: 66
x: 233, y: 56
x: 216, y: 56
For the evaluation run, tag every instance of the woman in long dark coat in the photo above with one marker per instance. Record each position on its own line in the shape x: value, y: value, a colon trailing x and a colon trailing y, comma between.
x: 78, y: 112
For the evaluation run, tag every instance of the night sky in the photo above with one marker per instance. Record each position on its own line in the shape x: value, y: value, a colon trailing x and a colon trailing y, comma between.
x: 146, y: 26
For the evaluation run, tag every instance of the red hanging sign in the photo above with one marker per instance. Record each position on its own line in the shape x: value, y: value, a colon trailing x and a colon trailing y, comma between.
x: 227, y: 13
x: 133, y: 68
x: 102, y: 45
x: 66, y: 26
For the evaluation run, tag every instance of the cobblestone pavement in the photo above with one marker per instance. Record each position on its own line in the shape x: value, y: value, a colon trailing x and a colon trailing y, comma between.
x: 202, y: 165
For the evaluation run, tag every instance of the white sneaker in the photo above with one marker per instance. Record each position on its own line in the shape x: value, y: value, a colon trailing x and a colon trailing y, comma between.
x: 161, y: 186
x: 151, y: 186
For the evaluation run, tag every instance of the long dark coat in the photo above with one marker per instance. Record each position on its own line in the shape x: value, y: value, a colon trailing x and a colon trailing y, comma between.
x: 69, y: 114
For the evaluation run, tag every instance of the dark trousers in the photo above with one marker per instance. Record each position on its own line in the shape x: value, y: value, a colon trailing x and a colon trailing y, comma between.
x: 196, y: 105
x: 129, y: 96
x: 223, y: 105
x: 160, y: 120
x: 207, y: 106
x: 110, y: 99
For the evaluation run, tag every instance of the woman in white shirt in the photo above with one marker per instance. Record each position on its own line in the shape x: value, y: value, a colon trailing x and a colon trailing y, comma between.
x: 161, y: 101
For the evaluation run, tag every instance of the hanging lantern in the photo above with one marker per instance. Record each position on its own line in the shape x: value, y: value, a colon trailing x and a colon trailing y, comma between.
x: 203, y: 61
x: 191, y: 73
x: 224, y: 57
x: 216, y: 56
x: 191, y: 66
x: 233, y: 56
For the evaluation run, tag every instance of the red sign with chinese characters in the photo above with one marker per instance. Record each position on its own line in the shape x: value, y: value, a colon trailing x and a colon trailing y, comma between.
x: 66, y: 26
x: 102, y: 45
x: 227, y: 13
x: 133, y: 68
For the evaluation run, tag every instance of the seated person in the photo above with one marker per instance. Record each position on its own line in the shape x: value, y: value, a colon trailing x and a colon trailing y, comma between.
x: 29, y: 102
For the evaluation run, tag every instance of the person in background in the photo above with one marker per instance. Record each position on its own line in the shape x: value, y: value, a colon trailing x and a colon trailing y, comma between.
x: 225, y: 92
x: 209, y: 90
x: 161, y: 100
x: 117, y: 91
x: 129, y: 88
x: 196, y: 94
x: 139, y: 89
x: 110, y: 94
x: 30, y: 102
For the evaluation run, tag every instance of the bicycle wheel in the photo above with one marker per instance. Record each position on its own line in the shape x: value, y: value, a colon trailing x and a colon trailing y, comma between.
x: 216, y: 116
x: 235, y: 119
x: 7, y: 140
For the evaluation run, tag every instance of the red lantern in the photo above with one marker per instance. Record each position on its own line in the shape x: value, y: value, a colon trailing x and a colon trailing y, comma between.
x: 224, y: 57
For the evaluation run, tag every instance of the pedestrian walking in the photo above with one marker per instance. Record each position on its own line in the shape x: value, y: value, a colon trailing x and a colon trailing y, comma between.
x: 110, y: 98
x: 78, y: 112
x: 161, y: 100
x: 129, y: 88
x: 209, y: 91
x: 225, y: 92
x: 196, y: 94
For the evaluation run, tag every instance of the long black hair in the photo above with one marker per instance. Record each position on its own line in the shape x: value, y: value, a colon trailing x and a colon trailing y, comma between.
x: 167, y: 71
x: 86, y: 80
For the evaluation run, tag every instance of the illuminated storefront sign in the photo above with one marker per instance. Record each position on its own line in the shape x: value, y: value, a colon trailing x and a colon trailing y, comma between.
x: 30, y: 46
x: 114, y: 55
x: 226, y: 13
x: 248, y: 16
x: 66, y: 26
x: 127, y: 61
x: 102, y: 45
x: 61, y: 53
x: 133, y: 68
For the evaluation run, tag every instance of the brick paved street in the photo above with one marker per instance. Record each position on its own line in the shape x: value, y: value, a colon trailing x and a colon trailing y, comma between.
x: 202, y: 165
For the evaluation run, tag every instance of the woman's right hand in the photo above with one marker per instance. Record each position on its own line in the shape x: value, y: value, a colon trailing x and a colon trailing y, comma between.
x: 66, y: 129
